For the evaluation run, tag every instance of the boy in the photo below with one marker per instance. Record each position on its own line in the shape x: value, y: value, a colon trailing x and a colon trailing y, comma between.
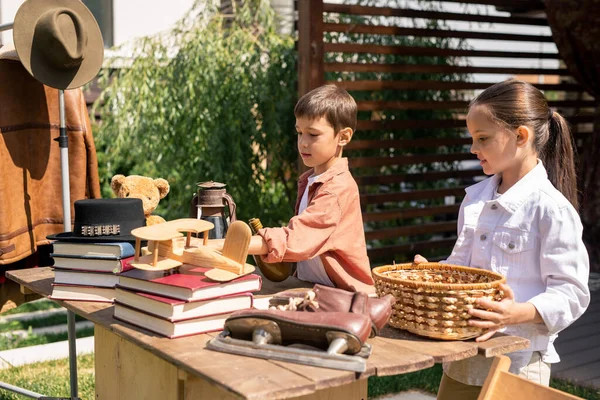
x: 326, y: 237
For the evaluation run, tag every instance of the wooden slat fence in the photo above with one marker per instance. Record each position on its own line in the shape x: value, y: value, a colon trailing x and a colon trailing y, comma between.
x: 413, y: 70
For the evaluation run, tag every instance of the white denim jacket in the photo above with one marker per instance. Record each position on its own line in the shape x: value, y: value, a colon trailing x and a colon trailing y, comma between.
x: 532, y: 235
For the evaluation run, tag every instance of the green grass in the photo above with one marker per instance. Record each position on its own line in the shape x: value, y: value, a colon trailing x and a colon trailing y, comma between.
x: 38, y: 305
x: 565, y: 386
x: 50, y: 320
x: 50, y: 378
x: 428, y: 380
x: 14, y: 341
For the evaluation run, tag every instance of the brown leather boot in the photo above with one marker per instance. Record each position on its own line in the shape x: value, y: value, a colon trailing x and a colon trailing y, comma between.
x: 329, y: 299
x: 297, y: 327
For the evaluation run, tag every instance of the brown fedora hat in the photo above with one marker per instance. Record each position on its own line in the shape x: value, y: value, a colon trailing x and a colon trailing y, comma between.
x: 58, y: 42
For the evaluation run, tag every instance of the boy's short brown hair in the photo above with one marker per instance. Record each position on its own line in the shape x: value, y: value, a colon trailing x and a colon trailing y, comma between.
x: 331, y: 102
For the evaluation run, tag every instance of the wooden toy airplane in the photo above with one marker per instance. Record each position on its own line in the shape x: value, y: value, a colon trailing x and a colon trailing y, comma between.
x: 176, y: 249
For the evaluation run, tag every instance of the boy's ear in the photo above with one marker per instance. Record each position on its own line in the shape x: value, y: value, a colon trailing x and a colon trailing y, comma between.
x: 345, y: 136
x: 523, y: 135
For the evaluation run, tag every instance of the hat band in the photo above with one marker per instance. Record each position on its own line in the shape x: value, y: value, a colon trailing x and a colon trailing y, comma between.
x: 100, y: 230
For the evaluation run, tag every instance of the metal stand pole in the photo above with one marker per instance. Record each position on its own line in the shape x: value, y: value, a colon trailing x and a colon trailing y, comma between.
x: 72, y: 354
x: 7, y: 26
x: 21, y: 391
x: 63, y: 144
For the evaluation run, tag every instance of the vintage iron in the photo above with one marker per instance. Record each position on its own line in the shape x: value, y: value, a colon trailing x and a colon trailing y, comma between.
x: 209, y: 204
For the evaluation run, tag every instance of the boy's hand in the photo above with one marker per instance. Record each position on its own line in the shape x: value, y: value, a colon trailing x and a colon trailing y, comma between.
x: 496, y: 315
x: 419, y: 259
x: 258, y: 246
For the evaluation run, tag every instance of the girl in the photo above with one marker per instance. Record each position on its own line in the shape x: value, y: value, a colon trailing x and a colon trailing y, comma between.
x: 523, y: 223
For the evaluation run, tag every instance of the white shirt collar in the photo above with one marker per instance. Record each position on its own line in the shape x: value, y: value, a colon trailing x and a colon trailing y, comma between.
x: 512, y: 199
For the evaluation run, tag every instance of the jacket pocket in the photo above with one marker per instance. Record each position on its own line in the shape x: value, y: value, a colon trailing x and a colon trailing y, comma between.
x: 513, y: 252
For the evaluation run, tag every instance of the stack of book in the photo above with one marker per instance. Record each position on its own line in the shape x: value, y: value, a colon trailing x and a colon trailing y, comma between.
x: 181, y: 302
x: 89, y: 271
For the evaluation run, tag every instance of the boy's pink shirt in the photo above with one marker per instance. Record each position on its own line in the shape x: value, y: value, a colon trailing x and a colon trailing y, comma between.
x: 331, y: 227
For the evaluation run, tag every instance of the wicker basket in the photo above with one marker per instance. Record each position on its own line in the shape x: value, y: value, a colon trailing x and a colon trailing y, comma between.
x: 433, y: 299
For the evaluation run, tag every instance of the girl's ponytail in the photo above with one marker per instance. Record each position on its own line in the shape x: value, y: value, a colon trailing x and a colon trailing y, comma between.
x: 558, y: 156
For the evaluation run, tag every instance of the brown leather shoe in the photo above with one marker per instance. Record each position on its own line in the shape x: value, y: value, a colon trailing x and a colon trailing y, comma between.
x: 331, y: 299
x: 298, y: 327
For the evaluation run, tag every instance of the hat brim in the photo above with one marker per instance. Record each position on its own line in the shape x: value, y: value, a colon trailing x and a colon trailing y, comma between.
x: 23, y: 37
x: 70, y: 237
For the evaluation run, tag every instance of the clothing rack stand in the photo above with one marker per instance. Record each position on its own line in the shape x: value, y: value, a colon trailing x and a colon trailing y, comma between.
x: 66, y: 203
x: 6, y: 27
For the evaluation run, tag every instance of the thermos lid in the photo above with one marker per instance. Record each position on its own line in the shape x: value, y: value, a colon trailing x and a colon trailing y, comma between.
x: 211, y: 185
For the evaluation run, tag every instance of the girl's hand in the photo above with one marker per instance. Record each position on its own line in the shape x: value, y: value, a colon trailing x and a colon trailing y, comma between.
x: 495, y: 315
x: 419, y: 259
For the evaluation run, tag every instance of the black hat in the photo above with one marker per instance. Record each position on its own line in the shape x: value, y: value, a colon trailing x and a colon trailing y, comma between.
x: 104, y: 220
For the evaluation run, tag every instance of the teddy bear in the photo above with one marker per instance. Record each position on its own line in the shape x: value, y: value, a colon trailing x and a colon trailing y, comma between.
x: 149, y: 190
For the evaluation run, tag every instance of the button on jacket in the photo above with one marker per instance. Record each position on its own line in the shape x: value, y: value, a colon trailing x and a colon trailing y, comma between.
x: 532, y: 235
x: 330, y: 227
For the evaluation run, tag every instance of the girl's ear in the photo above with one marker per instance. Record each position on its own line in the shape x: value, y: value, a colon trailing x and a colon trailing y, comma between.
x: 524, y: 133
x: 345, y: 136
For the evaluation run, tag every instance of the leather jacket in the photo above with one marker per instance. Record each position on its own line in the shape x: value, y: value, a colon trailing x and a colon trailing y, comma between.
x: 30, y: 172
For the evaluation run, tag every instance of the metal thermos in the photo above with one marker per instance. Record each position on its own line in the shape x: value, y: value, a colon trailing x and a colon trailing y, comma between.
x: 209, y: 204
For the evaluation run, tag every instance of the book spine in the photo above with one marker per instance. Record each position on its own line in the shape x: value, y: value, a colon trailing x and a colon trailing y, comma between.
x: 125, y: 265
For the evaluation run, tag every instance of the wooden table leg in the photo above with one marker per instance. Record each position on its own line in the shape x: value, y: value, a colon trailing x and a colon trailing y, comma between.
x: 125, y: 371
x: 356, y: 390
x: 13, y: 295
x: 25, y: 290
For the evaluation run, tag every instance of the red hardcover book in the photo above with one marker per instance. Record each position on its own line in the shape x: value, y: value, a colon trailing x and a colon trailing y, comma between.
x: 193, y: 326
x: 189, y: 283
x: 178, y: 310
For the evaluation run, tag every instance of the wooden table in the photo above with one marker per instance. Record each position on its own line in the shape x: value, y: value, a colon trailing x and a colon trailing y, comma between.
x: 132, y: 363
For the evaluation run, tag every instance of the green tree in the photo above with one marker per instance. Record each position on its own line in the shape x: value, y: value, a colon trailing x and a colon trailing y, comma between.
x: 211, y: 99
